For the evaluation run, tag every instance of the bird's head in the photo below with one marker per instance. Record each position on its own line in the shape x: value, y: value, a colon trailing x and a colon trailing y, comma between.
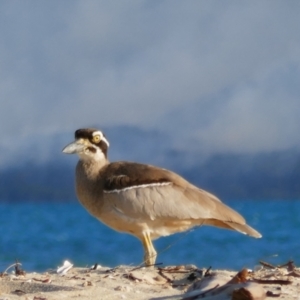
x: 90, y: 144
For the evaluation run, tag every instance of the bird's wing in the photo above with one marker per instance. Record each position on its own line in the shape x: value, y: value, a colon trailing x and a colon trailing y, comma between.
x: 145, y: 191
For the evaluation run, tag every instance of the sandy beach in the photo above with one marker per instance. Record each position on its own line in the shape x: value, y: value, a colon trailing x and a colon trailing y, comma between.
x: 173, y: 282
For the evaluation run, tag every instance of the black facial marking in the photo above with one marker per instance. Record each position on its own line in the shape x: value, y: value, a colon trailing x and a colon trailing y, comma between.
x: 86, y: 133
x: 103, y: 146
x: 92, y: 149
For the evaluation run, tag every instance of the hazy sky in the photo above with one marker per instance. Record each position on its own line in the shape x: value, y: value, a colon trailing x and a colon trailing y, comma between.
x: 221, y: 74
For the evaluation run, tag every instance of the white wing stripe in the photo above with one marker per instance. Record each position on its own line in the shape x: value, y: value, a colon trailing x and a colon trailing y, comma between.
x: 137, y: 187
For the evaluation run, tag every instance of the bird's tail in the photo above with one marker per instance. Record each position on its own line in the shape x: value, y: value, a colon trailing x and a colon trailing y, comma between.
x: 243, y: 228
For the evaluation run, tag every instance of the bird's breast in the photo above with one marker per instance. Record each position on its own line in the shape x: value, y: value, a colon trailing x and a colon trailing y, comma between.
x: 89, y: 192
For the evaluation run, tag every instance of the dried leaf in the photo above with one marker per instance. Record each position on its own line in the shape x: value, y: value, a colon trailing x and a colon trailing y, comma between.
x: 240, y: 277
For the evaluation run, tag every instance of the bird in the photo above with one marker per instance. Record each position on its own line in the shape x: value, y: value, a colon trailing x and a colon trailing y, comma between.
x: 143, y: 200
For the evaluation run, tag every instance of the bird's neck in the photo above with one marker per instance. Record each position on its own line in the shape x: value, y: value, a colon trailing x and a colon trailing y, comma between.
x: 92, y: 168
x: 89, y: 185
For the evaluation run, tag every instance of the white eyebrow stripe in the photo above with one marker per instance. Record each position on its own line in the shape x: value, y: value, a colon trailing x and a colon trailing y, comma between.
x: 137, y: 187
x: 97, y: 132
x: 105, y: 140
x: 102, y: 136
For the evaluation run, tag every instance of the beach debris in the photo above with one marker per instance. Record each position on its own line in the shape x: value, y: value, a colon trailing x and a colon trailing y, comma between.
x: 142, y: 266
x: 173, y: 276
x: 112, y: 270
x: 184, y: 274
x: 46, y: 280
x: 294, y: 273
x: 267, y: 265
x: 19, y: 292
x: 245, y: 285
x: 94, y: 267
x: 175, y: 284
x: 76, y: 277
x: 288, y: 268
x: 280, y: 274
x: 207, y: 272
x: 87, y: 283
x: 273, y: 281
x: 219, y: 286
x: 272, y: 294
x: 147, y: 277
x: 206, y: 286
x: 64, y: 268
x: 123, y: 288
x: 180, y: 269
x: 167, y: 276
x: 18, y: 270
x: 250, y: 291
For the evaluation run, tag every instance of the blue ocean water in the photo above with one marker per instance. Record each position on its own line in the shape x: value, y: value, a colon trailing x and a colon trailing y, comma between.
x: 42, y: 235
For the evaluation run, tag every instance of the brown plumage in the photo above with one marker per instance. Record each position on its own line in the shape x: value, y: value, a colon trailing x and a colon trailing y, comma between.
x: 143, y: 200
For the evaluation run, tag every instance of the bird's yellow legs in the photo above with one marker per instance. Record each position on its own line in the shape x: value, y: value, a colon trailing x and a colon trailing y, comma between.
x: 149, y: 251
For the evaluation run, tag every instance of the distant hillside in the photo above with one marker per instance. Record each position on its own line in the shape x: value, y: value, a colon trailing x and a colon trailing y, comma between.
x: 39, y: 171
x: 262, y: 176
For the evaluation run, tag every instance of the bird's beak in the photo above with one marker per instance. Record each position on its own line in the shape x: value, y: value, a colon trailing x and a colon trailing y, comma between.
x: 73, y: 148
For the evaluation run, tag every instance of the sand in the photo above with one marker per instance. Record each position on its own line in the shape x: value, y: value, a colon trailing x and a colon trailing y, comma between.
x: 126, y: 282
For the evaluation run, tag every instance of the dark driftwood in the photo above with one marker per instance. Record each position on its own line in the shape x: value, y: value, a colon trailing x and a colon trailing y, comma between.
x: 250, y: 291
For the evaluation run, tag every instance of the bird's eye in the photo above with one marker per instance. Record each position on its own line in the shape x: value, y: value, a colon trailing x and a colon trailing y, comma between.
x: 96, y: 138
